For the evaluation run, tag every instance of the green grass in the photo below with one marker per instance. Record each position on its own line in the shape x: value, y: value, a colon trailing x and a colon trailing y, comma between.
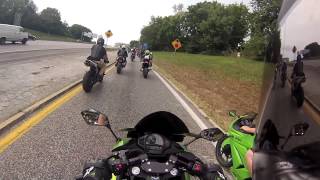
x: 50, y: 37
x: 236, y: 68
x: 215, y: 83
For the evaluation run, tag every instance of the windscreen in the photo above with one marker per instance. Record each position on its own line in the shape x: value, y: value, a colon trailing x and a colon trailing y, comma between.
x: 163, y: 123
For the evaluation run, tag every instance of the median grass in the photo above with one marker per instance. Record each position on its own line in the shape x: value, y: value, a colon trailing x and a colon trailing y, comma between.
x: 50, y: 37
x: 215, y: 83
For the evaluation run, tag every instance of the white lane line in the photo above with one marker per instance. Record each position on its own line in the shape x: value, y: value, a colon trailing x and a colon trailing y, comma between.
x: 194, y: 116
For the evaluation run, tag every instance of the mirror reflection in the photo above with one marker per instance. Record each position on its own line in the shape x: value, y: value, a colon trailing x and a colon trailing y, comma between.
x: 94, y: 117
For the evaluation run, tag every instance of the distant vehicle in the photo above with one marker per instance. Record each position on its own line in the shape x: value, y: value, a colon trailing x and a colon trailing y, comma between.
x: 32, y: 37
x: 12, y: 33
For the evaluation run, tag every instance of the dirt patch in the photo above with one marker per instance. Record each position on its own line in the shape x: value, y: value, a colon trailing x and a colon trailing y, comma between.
x: 35, y: 73
x: 215, y: 93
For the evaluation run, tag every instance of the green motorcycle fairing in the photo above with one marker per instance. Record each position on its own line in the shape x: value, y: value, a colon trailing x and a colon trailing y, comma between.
x: 121, y: 142
x: 239, y: 143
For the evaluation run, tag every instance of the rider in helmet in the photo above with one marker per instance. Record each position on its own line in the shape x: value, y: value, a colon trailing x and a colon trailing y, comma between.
x: 133, y: 51
x: 298, y: 67
x: 99, y: 55
x: 122, y: 52
x: 148, y: 56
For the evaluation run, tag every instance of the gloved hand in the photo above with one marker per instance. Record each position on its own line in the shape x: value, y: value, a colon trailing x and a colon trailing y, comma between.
x: 90, y: 58
x: 106, y: 59
x: 214, y: 171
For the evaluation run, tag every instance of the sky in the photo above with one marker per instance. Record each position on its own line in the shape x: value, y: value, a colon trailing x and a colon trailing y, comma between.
x: 125, y: 18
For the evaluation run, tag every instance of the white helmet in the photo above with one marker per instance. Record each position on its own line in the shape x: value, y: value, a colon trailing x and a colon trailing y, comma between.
x: 123, y: 46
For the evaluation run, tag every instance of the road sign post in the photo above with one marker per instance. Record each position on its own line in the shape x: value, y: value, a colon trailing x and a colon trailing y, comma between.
x: 176, y: 44
x: 108, y: 35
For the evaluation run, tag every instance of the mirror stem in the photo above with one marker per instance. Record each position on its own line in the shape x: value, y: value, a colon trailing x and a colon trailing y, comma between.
x: 286, y: 141
x: 188, y: 143
x: 112, y: 132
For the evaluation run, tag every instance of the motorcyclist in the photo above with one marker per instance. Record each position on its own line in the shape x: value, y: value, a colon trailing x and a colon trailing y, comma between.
x: 298, y: 67
x: 297, y: 71
x: 148, y: 55
x: 133, y: 51
x: 283, y: 66
x: 122, y: 52
x: 99, y: 55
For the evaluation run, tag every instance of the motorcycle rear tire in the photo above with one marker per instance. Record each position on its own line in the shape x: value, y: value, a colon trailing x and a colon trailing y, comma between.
x: 299, y: 95
x: 87, y: 83
x: 222, y: 162
x: 119, y: 68
x: 145, y: 73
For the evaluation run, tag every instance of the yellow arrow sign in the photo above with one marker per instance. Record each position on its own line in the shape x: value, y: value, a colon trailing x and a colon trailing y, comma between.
x: 176, y: 44
x: 108, y: 34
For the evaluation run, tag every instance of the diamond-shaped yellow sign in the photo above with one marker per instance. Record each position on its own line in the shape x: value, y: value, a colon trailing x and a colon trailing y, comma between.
x: 108, y: 34
x: 176, y: 44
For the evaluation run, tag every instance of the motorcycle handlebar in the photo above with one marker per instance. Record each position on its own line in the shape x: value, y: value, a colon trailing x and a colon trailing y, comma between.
x: 121, y: 165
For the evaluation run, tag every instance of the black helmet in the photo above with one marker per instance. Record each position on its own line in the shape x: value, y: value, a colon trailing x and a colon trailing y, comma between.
x: 100, y: 41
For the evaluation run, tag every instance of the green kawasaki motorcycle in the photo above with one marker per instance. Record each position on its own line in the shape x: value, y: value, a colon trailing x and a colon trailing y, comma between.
x: 233, y: 146
x: 152, y: 151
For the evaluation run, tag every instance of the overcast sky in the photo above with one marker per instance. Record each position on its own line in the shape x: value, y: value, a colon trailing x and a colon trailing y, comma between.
x: 125, y: 18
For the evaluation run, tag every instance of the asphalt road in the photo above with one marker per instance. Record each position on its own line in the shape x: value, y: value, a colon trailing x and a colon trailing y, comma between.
x: 28, y: 76
x: 58, y: 146
x: 41, y: 45
x: 23, y: 56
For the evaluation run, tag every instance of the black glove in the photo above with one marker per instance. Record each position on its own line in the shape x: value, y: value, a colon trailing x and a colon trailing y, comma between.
x: 213, y: 171
x: 90, y: 58
x: 96, y: 171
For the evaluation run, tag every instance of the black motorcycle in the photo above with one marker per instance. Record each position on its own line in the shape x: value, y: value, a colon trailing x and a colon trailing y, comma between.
x: 152, y: 150
x: 283, y: 74
x: 297, y: 90
x: 92, y: 76
x: 145, y: 66
x: 133, y: 56
x: 121, y: 63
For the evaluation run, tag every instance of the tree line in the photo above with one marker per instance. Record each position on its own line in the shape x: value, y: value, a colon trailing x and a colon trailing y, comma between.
x: 48, y: 20
x: 216, y: 28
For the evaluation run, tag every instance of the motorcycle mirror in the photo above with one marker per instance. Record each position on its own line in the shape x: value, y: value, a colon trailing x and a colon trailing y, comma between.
x: 297, y: 130
x: 232, y: 113
x: 94, y: 118
x: 211, y: 134
x: 300, y: 129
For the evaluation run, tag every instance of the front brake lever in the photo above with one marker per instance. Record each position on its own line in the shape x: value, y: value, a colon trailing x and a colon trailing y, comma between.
x: 194, y: 139
x: 80, y: 177
x: 189, y: 134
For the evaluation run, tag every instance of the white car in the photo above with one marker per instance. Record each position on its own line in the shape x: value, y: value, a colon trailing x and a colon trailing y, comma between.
x: 12, y: 33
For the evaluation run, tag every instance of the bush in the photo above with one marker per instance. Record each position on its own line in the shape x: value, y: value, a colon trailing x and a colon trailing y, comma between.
x: 314, y: 49
x: 255, y: 47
